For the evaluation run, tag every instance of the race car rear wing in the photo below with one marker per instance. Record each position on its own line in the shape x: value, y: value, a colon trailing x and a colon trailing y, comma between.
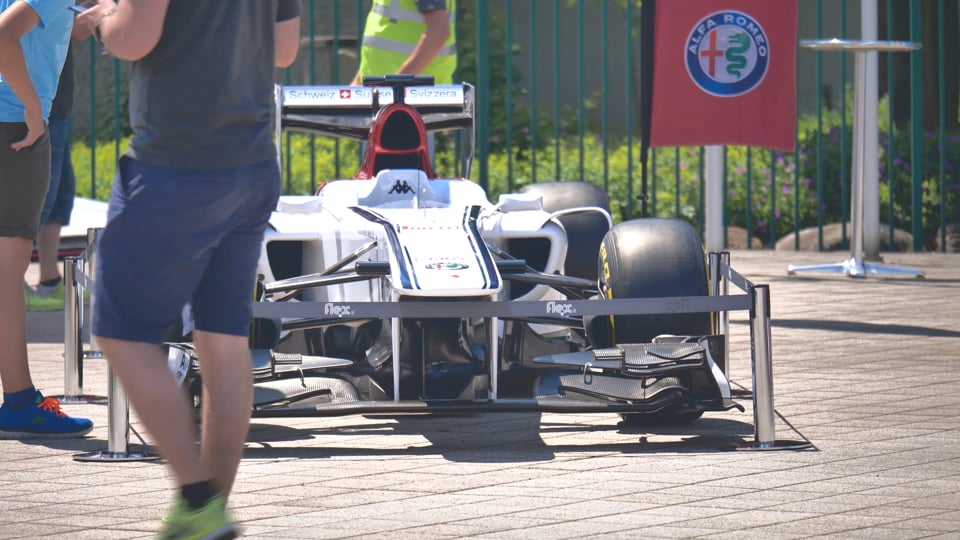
x: 348, y: 111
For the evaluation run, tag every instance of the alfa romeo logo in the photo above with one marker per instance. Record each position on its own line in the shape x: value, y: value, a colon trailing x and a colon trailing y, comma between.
x: 452, y: 266
x: 727, y: 54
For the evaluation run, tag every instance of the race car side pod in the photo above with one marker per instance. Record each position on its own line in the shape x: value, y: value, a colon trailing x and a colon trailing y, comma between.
x: 118, y: 408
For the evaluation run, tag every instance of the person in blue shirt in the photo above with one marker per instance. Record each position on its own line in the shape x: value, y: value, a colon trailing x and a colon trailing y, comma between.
x: 34, y: 36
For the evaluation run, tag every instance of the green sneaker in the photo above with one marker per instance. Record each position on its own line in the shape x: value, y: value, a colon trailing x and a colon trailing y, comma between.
x: 38, y: 301
x: 208, y: 523
x: 43, y: 298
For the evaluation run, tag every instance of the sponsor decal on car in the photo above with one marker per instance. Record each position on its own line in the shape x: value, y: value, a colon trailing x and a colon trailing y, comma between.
x: 560, y: 308
x: 446, y: 265
x: 338, y: 310
x: 400, y: 187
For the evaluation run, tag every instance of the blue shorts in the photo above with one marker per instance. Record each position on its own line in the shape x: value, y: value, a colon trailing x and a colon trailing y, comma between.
x: 58, y: 204
x: 175, y: 236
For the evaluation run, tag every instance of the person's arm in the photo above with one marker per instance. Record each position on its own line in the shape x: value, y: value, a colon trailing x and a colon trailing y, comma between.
x: 286, y: 33
x: 128, y: 30
x: 434, y: 36
x: 15, y: 22
x: 81, y: 31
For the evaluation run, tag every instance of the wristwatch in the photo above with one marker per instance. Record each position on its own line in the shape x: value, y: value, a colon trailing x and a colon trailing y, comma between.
x: 96, y: 27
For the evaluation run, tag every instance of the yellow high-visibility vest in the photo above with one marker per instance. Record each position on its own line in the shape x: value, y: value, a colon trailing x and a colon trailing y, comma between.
x: 392, y: 31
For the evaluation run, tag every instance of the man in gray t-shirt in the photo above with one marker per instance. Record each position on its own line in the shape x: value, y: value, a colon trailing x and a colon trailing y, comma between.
x: 185, y: 224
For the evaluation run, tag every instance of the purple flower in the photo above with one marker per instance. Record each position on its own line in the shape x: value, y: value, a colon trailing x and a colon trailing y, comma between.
x: 786, y: 189
x: 776, y: 214
x: 740, y: 170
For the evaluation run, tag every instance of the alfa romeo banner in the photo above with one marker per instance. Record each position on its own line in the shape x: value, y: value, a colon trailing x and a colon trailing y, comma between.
x: 721, y: 72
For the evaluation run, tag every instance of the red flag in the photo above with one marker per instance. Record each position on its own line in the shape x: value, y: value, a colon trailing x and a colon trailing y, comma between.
x: 724, y: 72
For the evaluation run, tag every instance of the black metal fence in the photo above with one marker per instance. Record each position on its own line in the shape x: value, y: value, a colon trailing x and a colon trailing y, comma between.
x: 558, y: 99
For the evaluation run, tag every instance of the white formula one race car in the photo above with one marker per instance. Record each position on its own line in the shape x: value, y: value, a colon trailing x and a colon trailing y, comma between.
x: 398, y: 291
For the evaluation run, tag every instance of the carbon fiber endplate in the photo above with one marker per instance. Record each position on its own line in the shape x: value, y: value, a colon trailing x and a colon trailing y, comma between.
x: 605, y: 387
x: 658, y: 358
x: 303, y: 392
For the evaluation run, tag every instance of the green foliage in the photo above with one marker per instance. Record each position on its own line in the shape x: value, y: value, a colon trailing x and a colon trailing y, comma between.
x: 780, y: 190
x: 95, y: 169
x: 500, y: 65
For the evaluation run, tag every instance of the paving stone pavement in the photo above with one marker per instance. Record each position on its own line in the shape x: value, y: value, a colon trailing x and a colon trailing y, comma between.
x: 867, y: 370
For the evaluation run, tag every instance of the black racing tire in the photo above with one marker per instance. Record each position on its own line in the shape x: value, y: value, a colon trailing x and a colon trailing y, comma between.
x: 584, y: 230
x: 653, y: 258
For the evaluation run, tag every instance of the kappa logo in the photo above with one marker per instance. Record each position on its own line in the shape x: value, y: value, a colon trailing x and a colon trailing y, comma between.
x: 727, y: 54
x: 559, y: 308
x: 338, y: 310
x: 401, y: 187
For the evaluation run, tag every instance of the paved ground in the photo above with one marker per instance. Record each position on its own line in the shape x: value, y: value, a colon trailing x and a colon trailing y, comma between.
x: 866, y: 370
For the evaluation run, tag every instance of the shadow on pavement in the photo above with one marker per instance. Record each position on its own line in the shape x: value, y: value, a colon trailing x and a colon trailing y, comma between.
x: 862, y: 327
x: 511, y: 439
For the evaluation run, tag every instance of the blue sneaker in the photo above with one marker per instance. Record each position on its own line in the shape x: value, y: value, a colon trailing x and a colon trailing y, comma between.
x: 45, y: 420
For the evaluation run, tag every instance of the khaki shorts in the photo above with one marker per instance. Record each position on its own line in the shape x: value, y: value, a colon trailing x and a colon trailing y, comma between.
x: 24, y: 177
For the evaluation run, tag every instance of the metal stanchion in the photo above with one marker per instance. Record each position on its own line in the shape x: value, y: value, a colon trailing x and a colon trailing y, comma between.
x: 118, y: 428
x: 724, y: 316
x: 762, y: 360
x: 713, y: 262
x: 90, y: 269
x: 720, y: 286
x: 762, y: 355
x: 72, y: 341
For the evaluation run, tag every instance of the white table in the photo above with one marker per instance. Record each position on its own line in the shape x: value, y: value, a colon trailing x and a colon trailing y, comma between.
x: 855, y: 266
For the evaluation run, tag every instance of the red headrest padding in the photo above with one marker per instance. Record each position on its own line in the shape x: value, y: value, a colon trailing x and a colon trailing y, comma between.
x: 398, y: 140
